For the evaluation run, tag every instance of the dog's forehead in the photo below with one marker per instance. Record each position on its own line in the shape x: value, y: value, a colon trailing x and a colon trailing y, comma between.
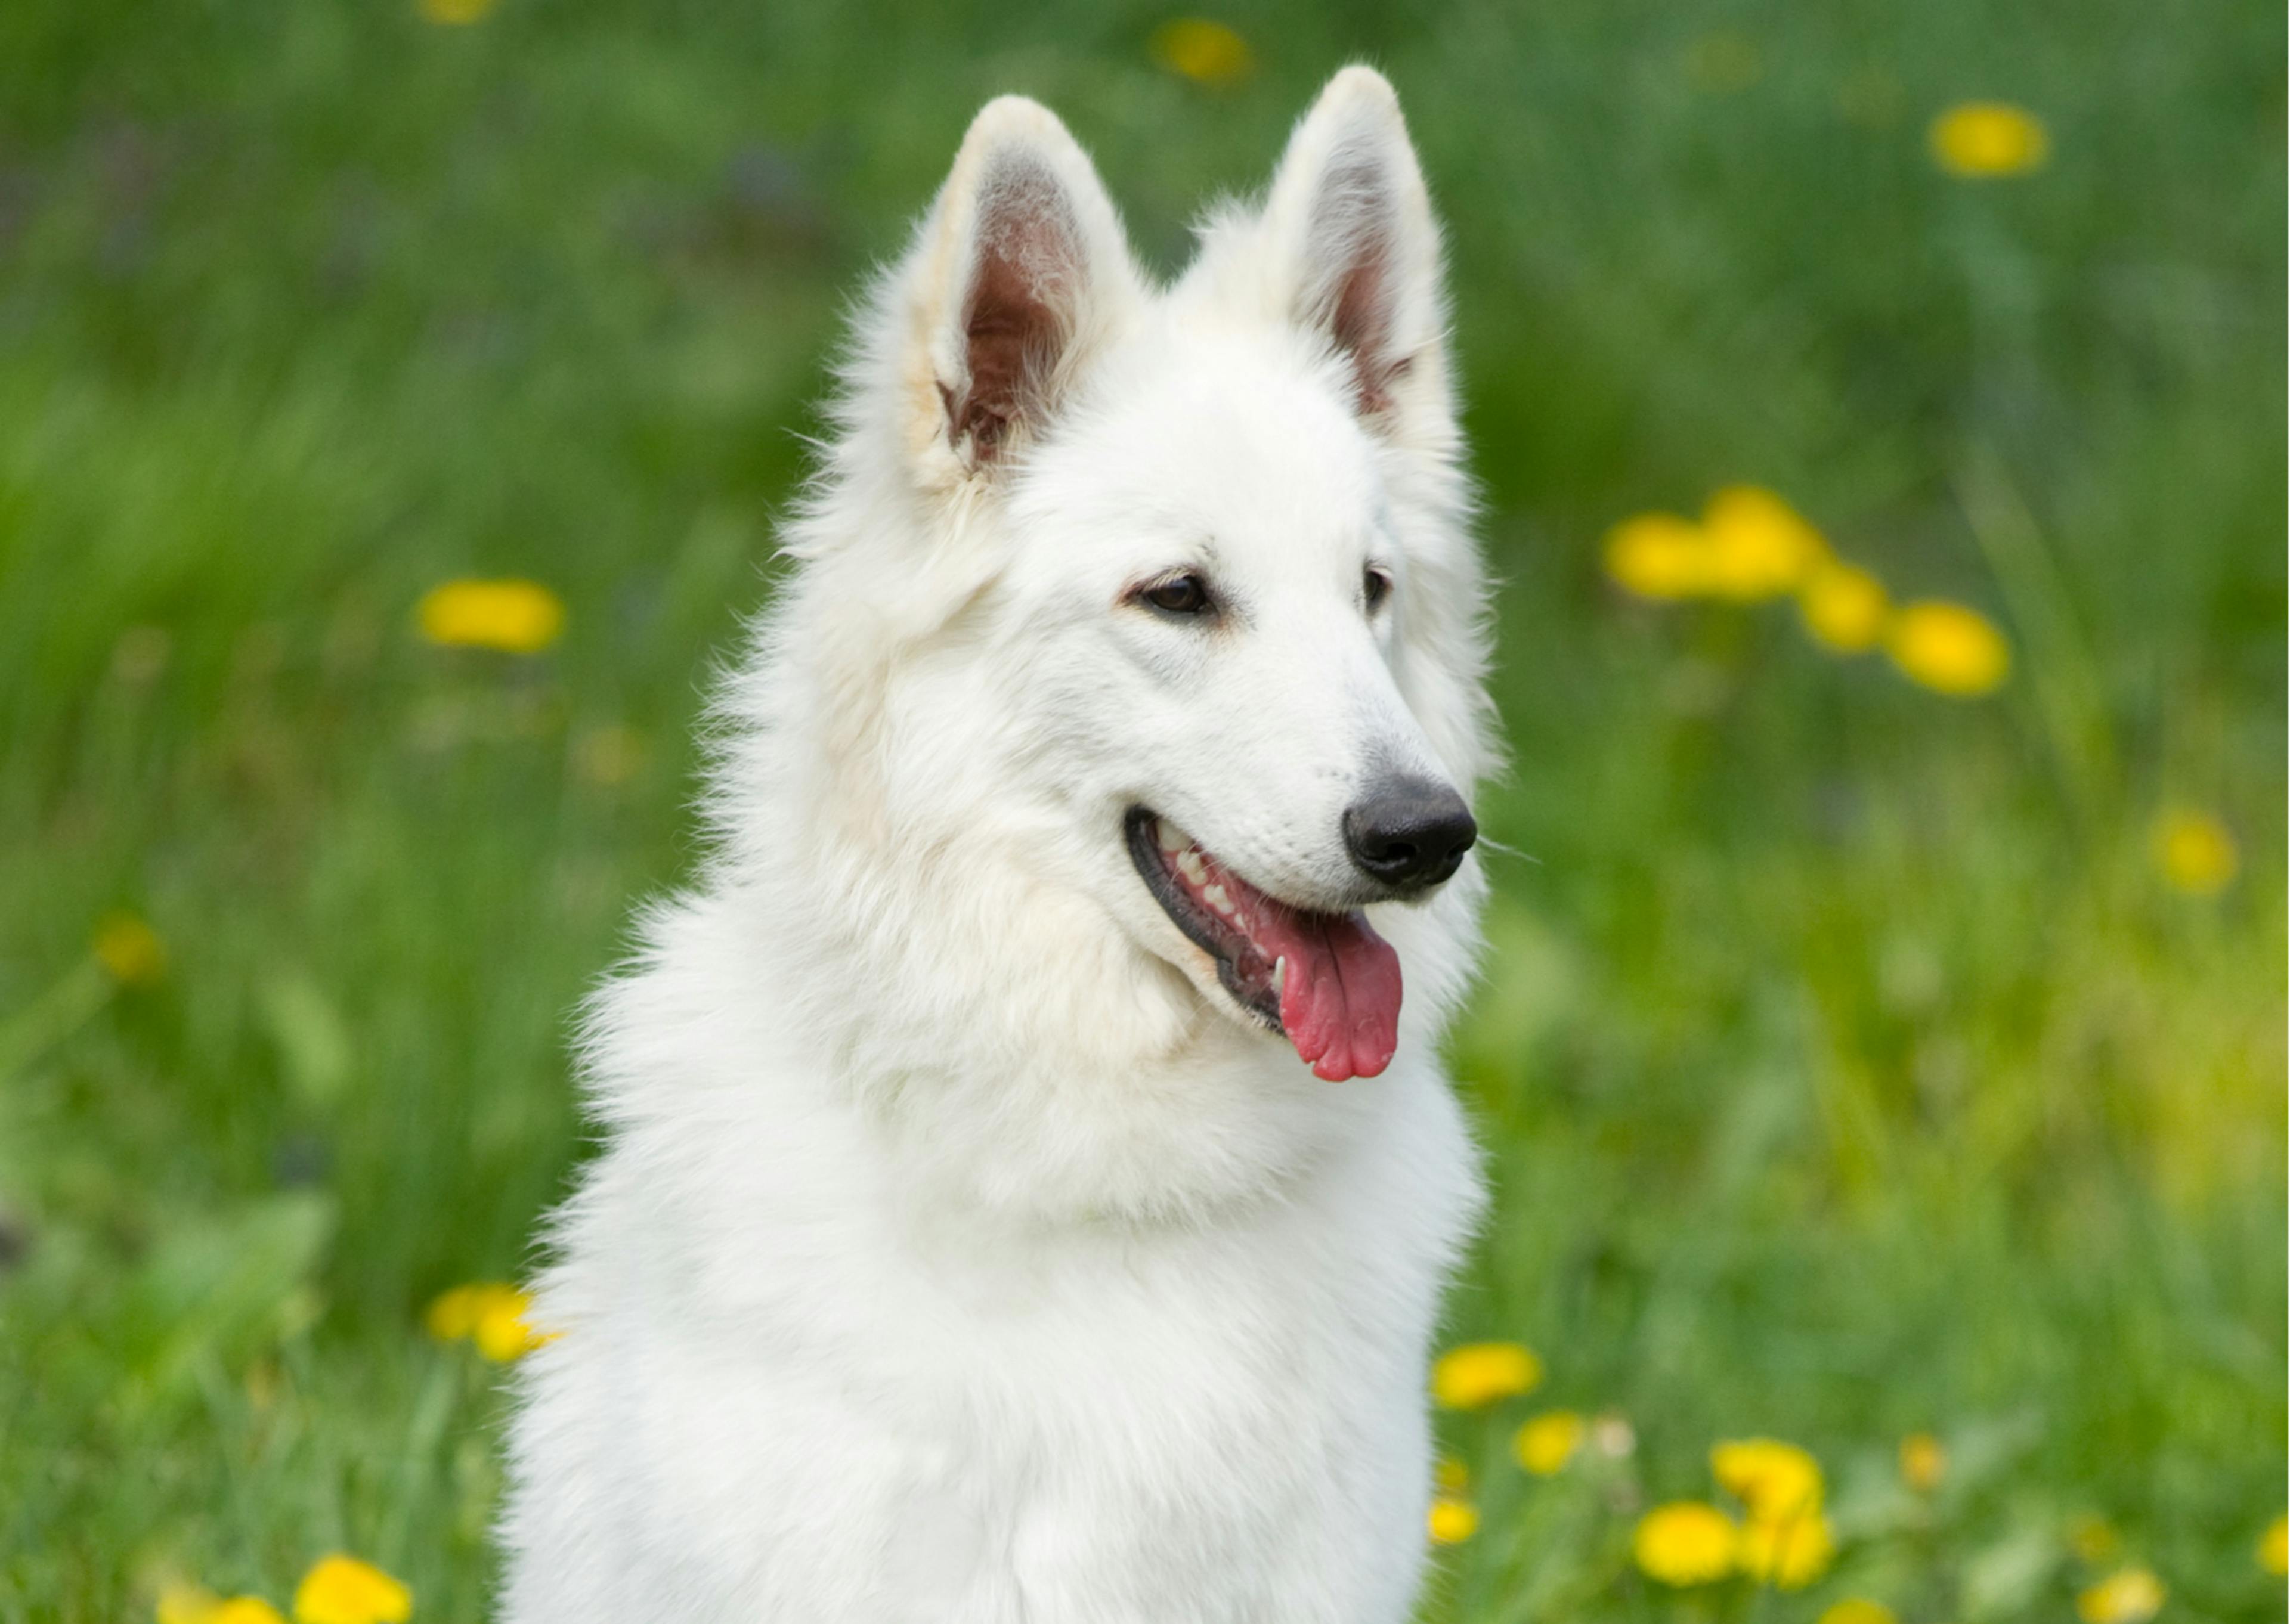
x: 1246, y: 446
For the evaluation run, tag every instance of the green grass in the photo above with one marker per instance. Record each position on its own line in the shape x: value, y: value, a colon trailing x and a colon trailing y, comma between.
x: 1846, y: 1067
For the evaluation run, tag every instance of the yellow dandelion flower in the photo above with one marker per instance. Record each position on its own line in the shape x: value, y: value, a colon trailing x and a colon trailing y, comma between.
x: 1453, y: 1521
x: 491, y: 1313
x: 2274, y: 1547
x: 1685, y: 1543
x: 1773, y: 1479
x: 130, y: 951
x: 1924, y: 1461
x: 339, y: 1589
x: 1451, y: 1475
x: 1981, y: 140
x: 2195, y: 852
x: 2094, y: 1538
x: 2130, y: 1596
x: 1480, y: 1374
x: 516, y: 617
x: 1857, y: 1610
x: 1844, y: 607
x: 1204, y: 51
x: 1788, y: 1552
x: 1658, y: 555
x: 455, y: 13
x: 1759, y: 546
x: 453, y: 1314
x: 1948, y: 649
x: 503, y: 1331
x: 1548, y: 1442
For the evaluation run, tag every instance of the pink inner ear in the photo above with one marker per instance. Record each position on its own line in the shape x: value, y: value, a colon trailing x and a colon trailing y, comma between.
x: 1014, y: 322
x: 1354, y: 227
x: 1361, y: 325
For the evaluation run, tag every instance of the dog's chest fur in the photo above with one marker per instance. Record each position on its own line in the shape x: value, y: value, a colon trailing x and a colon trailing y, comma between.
x: 807, y: 1387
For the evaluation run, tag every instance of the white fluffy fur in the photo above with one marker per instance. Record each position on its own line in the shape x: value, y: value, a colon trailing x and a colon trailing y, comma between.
x: 958, y: 1250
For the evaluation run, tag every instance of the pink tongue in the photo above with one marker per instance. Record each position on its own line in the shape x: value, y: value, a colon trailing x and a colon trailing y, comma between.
x: 1339, y: 996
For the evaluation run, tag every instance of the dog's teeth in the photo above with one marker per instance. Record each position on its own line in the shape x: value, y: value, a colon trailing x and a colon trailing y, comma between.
x: 1216, y: 898
x: 1170, y: 837
x: 1189, y: 864
x: 1279, y: 974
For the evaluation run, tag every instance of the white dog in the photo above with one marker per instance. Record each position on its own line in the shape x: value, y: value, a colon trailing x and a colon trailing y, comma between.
x: 1025, y: 1196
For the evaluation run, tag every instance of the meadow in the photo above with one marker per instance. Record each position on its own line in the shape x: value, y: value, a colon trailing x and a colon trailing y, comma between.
x: 1882, y: 1044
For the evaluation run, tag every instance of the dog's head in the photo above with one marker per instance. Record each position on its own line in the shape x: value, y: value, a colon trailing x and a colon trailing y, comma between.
x: 1205, y: 643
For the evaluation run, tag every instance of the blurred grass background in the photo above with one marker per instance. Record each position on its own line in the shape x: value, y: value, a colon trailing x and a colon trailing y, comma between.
x: 1849, y: 1066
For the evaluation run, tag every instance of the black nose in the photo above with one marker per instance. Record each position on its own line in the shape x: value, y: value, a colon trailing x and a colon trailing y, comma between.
x: 1409, y: 832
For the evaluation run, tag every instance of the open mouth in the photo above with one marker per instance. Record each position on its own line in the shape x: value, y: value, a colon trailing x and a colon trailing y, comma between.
x: 1326, y: 981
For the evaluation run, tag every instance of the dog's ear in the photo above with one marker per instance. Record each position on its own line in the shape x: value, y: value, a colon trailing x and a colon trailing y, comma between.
x: 1351, y: 248
x: 1021, y: 273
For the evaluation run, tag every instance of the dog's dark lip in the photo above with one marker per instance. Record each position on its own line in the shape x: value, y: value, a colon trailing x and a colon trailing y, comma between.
x: 1201, y: 929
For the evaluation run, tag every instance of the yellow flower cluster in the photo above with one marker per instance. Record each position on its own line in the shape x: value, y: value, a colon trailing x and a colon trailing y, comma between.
x: 455, y: 13
x: 1778, y: 1532
x: 492, y: 1314
x: 1206, y: 52
x: 1783, y: 1539
x: 516, y: 617
x: 1474, y: 1377
x: 2274, y: 1547
x: 1787, y: 1540
x: 338, y: 1589
x: 1987, y: 141
x: 1750, y: 545
x: 1479, y: 1375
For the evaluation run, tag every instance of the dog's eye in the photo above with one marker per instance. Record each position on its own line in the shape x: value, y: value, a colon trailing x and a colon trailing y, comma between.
x: 1186, y: 594
x: 1375, y: 586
